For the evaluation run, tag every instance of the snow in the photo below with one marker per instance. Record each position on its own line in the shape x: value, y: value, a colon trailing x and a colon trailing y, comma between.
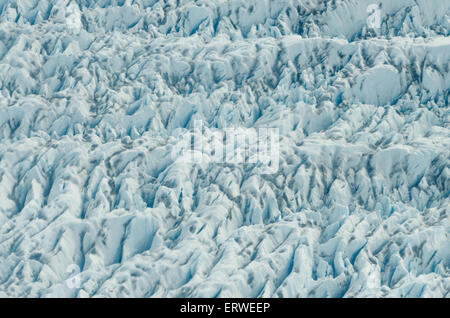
x: 97, y: 198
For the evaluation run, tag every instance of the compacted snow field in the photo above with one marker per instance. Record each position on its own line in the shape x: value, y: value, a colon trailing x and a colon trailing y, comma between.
x: 94, y: 203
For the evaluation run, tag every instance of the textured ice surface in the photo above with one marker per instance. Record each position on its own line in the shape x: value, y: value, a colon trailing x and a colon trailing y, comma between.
x: 91, y: 93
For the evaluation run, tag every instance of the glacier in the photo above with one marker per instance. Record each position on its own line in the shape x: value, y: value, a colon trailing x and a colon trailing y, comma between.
x: 92, y: 94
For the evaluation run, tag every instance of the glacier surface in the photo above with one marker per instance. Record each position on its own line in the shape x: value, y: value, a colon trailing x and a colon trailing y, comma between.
x: 92, y: 204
